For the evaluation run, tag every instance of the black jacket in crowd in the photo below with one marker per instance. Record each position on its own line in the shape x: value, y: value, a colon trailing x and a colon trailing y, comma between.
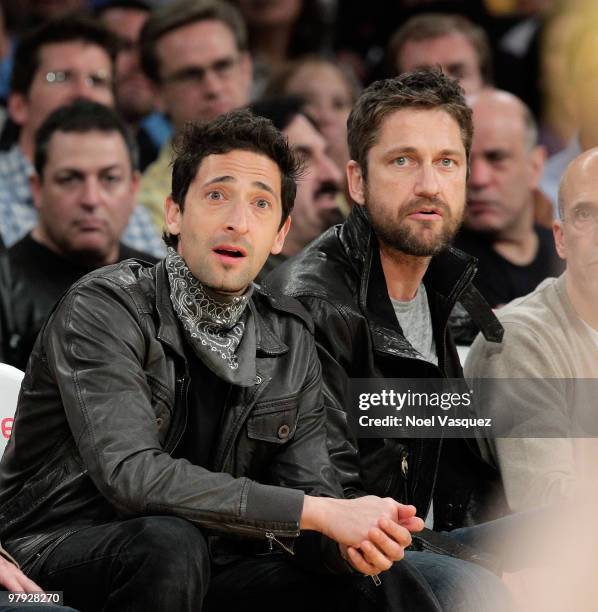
x: 103, y: 405
x: 32, y: 279
x: 340, y: 281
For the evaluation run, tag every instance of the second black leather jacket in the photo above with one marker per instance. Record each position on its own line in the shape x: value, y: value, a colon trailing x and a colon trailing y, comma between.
x: 339, y: 279
x: 103, y: 405
x: 32, y: 279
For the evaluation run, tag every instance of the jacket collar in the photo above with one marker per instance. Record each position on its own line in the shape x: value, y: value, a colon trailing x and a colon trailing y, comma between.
x: 447, y: 274
x: 447, y: 280
x: 169, y: 332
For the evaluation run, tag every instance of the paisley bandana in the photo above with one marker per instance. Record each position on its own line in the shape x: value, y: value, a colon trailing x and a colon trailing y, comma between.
x: 220, y: 329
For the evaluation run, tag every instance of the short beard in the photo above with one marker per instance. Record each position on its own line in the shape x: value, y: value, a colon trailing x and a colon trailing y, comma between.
x: 401, y: 238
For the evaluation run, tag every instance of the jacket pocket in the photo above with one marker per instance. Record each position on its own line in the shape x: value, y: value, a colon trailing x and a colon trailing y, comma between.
x: 162, y: 404
x: 385, y: 471
x: 273, y: 422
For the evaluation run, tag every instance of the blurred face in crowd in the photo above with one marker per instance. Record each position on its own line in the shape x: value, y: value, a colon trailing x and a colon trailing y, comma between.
x: 66, y: 71
x: 51, y: 9
x: 505, y: 167
x: 414, y: 190
x: 576, y: 235
x: 203, y: 74
x: 85, y: 195
x: 273, y: 13
x: 230, y: 221
x: 453, y: 52
x: 329, y: 100
x: 133, y: 91
x: 315, y: 207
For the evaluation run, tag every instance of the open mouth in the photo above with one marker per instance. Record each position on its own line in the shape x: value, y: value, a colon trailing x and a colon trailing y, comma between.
x: 230, y: 252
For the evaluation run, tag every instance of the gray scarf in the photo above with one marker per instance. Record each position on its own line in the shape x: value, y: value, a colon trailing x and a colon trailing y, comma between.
x: 220, y: 329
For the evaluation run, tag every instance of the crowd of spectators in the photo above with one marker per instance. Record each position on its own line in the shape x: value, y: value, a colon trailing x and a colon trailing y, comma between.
x: 95, y: 96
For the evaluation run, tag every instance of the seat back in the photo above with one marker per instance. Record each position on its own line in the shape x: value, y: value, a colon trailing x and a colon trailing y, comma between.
x: 10, y: 385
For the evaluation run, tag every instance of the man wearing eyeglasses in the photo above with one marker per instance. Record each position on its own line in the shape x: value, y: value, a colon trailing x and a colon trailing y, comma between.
x: 195, y: 53
x: 551, y: 336
x: 63, y: 60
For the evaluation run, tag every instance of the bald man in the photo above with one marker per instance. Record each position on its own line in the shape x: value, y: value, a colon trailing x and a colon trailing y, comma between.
x: 551, y: 336
x: 514, y: 254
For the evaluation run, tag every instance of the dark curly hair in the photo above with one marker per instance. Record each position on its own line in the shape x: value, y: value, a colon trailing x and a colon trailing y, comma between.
x: 237, y: 130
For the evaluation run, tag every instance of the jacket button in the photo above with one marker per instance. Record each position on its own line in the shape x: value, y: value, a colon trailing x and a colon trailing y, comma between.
x: 283, y: 432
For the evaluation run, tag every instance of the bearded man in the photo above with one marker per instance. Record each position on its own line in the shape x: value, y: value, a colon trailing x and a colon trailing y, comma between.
x: 380, y: 288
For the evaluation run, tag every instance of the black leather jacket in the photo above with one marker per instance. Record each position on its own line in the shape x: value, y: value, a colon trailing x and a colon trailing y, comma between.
x: 339, y: 279
x: 103, y: 405
x: 32, y: 279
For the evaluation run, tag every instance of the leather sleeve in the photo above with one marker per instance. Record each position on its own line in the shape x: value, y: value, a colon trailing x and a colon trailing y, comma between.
x: 334, y: 346
x: 96, y: 346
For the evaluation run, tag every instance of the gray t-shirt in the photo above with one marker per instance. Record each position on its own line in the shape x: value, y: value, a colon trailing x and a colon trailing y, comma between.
x: 416, y: 322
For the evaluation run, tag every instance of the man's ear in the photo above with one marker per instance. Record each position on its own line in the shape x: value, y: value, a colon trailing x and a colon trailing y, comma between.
x: 356, y: 182
x: 282, y: 234
x: 36, y: 190
x: 18, y: 108
x: 559, y: 238
x: 172, y: 215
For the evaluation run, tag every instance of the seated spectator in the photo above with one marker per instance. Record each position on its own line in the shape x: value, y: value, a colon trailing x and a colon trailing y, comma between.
x: 195, y: 54
x: 551, y: 335
x: 182, y: 411
x: 135, y: 97
x: 315, y: 207
x: 514, y: 255
x: 452, y: 42
x: 329, y: 94
x: 84, y: 191
x: 62, y: 61
x: 380, y: 289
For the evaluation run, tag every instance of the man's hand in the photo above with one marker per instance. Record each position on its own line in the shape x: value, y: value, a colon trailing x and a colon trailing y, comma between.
x: 13, y: 579
x: 372, y: 532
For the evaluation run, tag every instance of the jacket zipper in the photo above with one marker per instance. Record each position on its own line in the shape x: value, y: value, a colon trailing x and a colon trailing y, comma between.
x: 272, y: 538
x: 180, y: 401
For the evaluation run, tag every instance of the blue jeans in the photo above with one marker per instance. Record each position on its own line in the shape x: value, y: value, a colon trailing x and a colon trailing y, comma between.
x: 510, y: 538
x: 460, y: 586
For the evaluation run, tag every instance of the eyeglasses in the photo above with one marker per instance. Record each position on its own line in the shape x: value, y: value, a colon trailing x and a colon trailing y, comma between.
x: 195, y: 75
x: 583, y: 218
x: 97, y: 80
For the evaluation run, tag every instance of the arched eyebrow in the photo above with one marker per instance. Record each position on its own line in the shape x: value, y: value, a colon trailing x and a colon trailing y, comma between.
x: 231, y: 179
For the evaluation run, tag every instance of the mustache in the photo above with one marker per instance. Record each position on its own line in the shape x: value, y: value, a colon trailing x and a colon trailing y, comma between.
x: 326, y: 188
x: 417, y: 203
